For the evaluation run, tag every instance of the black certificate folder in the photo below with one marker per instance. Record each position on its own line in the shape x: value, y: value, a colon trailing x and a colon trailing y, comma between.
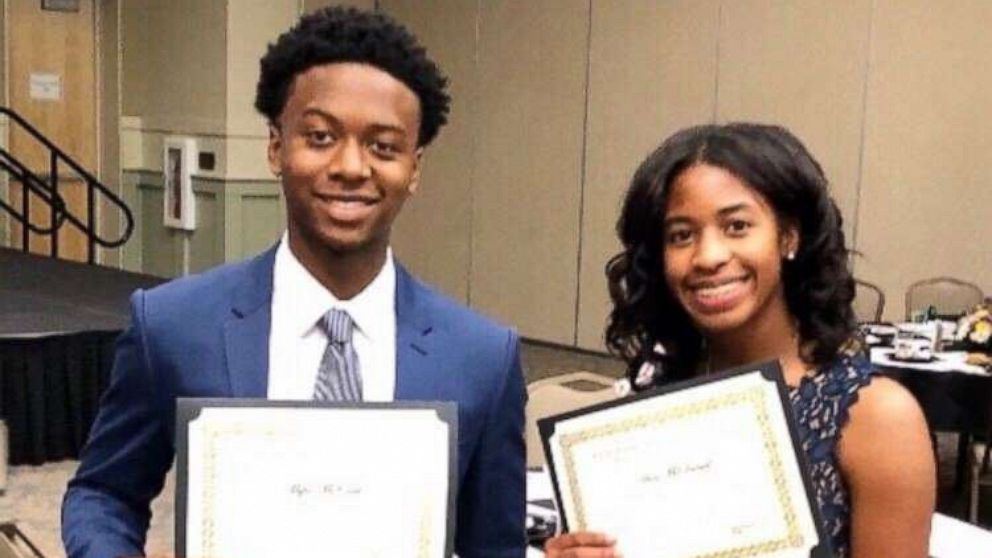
x: 707, y: 467
x: 259, y: 479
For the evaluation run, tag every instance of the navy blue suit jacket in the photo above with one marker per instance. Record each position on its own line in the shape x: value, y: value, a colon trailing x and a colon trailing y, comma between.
x: 208, y: 336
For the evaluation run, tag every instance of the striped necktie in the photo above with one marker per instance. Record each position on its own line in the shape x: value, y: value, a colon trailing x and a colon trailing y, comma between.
x: 339, y: 377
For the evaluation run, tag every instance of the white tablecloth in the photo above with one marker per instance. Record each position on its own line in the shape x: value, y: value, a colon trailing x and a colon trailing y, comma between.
x: 953, y: 538
x: 949, y: 361
x: 949, y: 537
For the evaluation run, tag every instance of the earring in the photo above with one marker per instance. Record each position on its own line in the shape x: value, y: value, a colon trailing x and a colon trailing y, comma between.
x: 790, y: 256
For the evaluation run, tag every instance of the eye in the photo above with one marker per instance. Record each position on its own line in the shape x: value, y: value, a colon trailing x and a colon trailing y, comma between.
x: 319, y: 138
x: 385, y: 149
x: 738, y: 227
x: 678, y: 237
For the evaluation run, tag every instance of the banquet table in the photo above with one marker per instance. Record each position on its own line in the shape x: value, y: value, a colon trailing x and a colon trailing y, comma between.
x: 955, y: 396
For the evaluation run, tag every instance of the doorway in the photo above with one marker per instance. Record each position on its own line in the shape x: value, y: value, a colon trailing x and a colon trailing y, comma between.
x: 52, y: 83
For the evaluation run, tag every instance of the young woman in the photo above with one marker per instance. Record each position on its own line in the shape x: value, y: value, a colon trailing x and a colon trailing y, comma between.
x: 733, y: 253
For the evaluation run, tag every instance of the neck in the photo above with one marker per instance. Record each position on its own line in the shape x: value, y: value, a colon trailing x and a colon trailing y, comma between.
x: 773, y: 339
x: 343, y: 273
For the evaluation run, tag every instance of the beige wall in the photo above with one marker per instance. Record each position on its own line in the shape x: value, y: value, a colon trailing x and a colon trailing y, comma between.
x: 209, y: 53
x: 208, y: 88
x: 555, y: 103
x: 528, y: 164
x: 801, y: 63
x: 666, y: 79
x: 251, y: 26
x: 433, y: 234
x: 108, y: 74
x: 890, y: 96
x: 311, y: 5
x: 175, y: 55
x: 926, y: 196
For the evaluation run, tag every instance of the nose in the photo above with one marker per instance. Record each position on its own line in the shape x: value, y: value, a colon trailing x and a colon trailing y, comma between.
x: 711, y: 251
x: 349, y: 162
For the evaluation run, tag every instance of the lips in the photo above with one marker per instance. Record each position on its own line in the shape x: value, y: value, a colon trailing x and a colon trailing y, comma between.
x: 713, y: 296
x: 347, y: 207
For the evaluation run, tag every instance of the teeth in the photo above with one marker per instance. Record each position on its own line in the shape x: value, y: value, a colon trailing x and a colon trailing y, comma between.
x: 717, y: 291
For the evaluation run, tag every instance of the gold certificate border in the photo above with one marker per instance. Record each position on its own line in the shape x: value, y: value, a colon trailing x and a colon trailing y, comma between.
x: 755, y: 397
x: 208, y: 526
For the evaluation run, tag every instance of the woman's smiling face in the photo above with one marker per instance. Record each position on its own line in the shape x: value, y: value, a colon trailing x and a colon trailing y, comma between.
x: 723, y: 251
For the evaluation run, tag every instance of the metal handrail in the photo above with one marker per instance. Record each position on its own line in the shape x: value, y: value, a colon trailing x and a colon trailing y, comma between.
x: 31, y: 181
x: 60, y: 212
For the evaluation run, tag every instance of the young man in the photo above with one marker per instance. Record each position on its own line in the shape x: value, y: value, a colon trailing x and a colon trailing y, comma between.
x: 352, y: 101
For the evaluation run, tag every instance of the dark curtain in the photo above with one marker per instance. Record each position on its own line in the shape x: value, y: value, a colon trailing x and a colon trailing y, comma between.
x: 50, y: 391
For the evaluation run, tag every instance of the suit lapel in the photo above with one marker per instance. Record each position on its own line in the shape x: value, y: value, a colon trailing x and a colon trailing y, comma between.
x: 246, y: 335
x: 417, y: 372
x: 246, y: 332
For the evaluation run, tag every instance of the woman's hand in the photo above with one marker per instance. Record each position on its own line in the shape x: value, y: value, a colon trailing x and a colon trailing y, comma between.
x: 582, y: 545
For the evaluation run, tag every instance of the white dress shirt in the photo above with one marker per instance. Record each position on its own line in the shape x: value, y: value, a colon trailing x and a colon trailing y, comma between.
x: 297, y: 342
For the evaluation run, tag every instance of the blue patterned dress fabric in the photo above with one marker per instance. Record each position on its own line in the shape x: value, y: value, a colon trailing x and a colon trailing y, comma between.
x: 339, y: 377
x: 821, y: 403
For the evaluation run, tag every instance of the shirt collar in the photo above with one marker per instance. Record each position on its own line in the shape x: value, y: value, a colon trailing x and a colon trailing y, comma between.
x: 309, y: 300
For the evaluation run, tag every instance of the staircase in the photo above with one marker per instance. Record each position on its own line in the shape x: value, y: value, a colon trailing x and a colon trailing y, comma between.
x: 45, y: 189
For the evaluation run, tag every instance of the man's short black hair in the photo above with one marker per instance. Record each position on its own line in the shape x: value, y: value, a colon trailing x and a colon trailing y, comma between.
x: 339, y: 34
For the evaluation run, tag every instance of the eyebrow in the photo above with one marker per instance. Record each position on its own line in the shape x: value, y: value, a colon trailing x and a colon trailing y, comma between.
x: 722, y: 212
x: 376, y: 128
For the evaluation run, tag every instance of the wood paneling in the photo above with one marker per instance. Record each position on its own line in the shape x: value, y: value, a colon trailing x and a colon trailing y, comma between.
x: 60, y: 44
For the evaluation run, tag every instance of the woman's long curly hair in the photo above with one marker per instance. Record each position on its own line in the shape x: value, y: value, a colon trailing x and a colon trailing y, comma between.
x: 818, y: 284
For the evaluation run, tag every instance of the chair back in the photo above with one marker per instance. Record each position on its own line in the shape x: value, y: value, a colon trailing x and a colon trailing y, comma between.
x: 14, y: 544
x: 948, y: 295
x: 560, y: 394
x: 869, y: 301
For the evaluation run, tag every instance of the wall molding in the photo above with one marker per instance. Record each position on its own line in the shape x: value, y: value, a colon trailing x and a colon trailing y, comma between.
x: 235, y: 220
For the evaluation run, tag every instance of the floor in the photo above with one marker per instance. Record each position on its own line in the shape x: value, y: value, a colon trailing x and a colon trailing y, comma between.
x: 33, y: 494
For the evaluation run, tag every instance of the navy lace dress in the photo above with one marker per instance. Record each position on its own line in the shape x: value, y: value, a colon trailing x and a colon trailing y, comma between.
x: 821, y: 403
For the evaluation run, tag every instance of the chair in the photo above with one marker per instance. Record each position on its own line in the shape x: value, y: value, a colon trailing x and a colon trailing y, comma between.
x: 869, y: 302
x: 560, y: 394
x: 977, y: 478
x: 4, y: 444
x: 14, y: 544
x: 950, y: 296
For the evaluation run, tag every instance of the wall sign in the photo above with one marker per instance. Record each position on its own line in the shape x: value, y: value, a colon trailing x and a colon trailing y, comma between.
x: 60, y: 5
x: 45, y: 86
x: 178, y: 160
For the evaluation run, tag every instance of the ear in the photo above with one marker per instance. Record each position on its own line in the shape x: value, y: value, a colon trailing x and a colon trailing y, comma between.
x: 275, y: 145
x: 418, y: 157
x: 789, y: 241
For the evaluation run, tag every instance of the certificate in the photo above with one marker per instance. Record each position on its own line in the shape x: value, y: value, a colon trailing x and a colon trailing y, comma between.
x: 708, y: 468
x: 260, y: 478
